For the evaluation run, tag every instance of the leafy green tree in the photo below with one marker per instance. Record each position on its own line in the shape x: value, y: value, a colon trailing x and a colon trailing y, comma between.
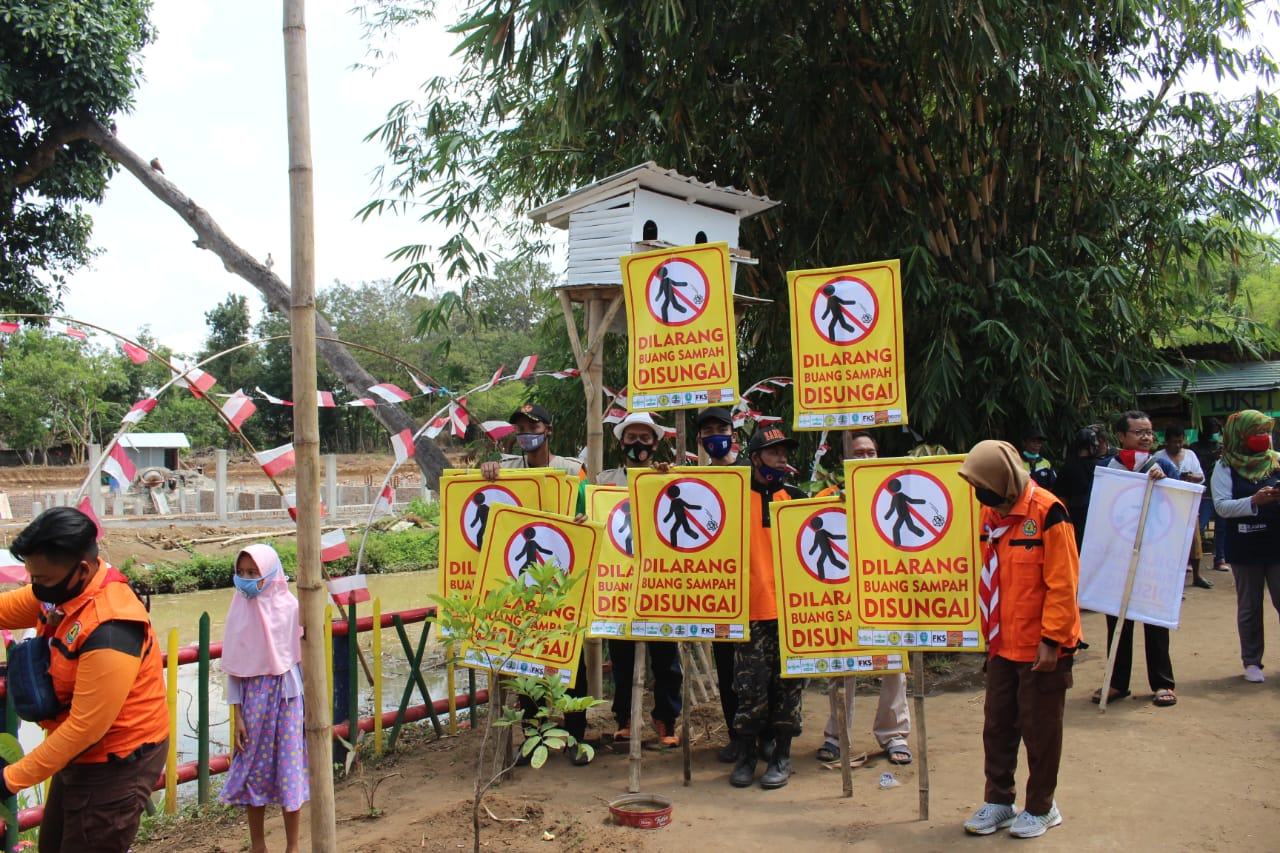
x: 229, y: 324
x: 62, y: 62
x: 1052, y: 185
x: 56, y: 390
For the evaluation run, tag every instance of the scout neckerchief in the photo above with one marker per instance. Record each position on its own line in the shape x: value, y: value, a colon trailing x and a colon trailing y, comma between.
x: 989, y: 584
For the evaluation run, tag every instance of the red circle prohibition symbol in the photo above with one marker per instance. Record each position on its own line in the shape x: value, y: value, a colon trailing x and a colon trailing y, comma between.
x: 683, y: 513
x: 906, y: 511
x: 846, y: 314
x: 538, y: 542
x: 677, y: 292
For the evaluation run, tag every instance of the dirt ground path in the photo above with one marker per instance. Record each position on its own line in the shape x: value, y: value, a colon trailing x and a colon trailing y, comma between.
x: 1198, y: 776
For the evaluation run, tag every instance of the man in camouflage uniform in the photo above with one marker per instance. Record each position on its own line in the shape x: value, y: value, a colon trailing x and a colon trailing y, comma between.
x: 768, y: 704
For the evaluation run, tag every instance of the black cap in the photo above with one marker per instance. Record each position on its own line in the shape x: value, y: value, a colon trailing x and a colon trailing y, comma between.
x: 533, y: 412
x: 768, y: 437
x: 714, y: 413
x: 1034, y: 432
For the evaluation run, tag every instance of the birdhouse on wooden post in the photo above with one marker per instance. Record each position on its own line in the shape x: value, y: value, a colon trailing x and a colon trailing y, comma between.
x: 640, y: 209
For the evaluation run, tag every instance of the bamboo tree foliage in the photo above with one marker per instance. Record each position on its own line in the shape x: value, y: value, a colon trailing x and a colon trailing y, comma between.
x: 1053, y: 187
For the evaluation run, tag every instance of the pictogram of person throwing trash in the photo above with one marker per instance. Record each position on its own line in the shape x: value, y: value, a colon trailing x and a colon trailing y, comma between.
x: 899, y: 503
x: 678, y: 514
x: 481, y: 519
x: 529, y: 554
x: 667, y: 294
x: 822, y: 545
x: 835, y: 310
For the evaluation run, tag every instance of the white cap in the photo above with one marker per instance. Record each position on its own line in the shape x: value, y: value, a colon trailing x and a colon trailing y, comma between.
x: 637, y: 418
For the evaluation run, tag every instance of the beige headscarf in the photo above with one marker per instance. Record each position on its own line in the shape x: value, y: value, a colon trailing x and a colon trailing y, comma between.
x: 995, y: 465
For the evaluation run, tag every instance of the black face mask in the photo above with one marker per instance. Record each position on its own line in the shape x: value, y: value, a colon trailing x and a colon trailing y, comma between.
x: 60, y: 592
x: 637, y: 451
x: 986, y: 497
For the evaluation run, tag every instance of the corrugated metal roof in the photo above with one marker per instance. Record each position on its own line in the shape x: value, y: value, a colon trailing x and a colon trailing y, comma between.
x: 652, y: 177
x: 162, y: 440
x: 1248, y: 376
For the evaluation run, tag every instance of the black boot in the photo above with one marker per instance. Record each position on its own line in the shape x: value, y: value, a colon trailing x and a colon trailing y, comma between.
x: 744, y: 772
x: 728, y: 753
x: 779, y: 769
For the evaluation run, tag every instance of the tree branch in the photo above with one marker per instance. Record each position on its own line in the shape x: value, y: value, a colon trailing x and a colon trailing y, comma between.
x: 47, y: 151
x: 210, y: 236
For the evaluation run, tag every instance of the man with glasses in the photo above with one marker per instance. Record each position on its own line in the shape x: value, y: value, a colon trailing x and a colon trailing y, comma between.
x: 1133, y: 429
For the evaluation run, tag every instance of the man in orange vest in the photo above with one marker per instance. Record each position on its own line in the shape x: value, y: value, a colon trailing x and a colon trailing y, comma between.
x: 107, y: 743
x: 769, y: 706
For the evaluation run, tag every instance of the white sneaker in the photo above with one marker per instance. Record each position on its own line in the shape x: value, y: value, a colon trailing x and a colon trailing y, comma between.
x: 989, y: 818
x: 1254, y: 674
x: 1030, y: 825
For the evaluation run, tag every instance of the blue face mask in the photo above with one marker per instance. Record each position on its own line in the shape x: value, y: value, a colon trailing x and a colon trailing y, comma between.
x: 772, y: 476
x: 530, y: 441
x: 248, y: 587
x: 1029, y: 456
x: 717, y: 446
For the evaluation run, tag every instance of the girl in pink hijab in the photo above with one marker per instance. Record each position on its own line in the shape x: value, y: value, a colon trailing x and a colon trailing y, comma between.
x: 261, y: 648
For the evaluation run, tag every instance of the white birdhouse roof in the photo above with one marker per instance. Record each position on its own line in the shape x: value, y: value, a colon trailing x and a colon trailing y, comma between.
x: 652, y: 177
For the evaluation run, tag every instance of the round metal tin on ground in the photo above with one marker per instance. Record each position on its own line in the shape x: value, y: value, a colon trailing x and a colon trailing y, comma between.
x: 643, y: 811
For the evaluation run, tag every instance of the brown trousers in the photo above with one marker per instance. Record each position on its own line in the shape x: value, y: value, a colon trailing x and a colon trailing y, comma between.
x: 96, y: 808
x: 1024, y: 707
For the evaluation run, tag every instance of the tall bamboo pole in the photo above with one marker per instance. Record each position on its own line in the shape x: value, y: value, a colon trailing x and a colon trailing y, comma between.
x: 306, y: 430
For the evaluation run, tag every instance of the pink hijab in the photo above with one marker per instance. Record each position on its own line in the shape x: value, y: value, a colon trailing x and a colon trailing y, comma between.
x: 263, y: 636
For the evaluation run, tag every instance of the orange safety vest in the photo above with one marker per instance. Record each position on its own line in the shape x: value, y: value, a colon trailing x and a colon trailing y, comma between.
x: 144, y: 718
x: 764, y: 602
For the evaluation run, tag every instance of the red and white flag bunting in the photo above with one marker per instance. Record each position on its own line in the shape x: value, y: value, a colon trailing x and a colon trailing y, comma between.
x: 8, y: 328
x: 324, y: 399
x: 276, y: 460
x: 422, y: 386
x: 12, y: 570
x: 571, y: 373
x: 333, y: 546
x: 353, y: 589
x: 197, y: 380
x: 363, y: 401
x: 118, y: 466
x: 389, y: 392
x: 87, y: 508
x: 458, y: 417
x: 438, y: 423
x: 497, y: 377
x: 291, y: 504
x: 690, y: 458
x: 614, y: 415
x: 139, y: 411
x: 78, y: 334
x: 270, y: 399
x: 385, y: 502
x: 402, y: 444
x: 497, y: 430
x: 525, y: 369
x: 136, y: 353
x: 238, y: 409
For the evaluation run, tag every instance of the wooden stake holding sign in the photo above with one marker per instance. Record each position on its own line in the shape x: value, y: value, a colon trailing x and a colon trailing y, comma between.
x: 1128, y: 593
x: 914, y: 526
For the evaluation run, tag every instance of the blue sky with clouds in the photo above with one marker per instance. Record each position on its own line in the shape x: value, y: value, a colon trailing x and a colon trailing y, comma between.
x: 212, y: 109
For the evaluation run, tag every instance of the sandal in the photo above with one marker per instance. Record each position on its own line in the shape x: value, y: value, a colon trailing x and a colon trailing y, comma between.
x: 899, y: 754
x: 828, y: 752
x: 1113, y: 696
x: 1164, y: 698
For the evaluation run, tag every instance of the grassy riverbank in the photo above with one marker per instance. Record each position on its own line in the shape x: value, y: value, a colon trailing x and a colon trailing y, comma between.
x: 410, y: 550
